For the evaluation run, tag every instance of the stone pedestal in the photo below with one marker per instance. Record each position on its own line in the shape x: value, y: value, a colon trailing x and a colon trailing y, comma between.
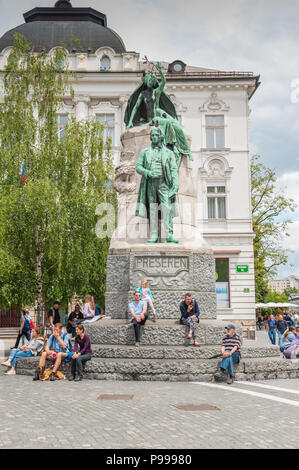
x: 171, y: 271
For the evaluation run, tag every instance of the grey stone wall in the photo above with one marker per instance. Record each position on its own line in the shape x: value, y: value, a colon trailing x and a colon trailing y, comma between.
x: 170, y: 275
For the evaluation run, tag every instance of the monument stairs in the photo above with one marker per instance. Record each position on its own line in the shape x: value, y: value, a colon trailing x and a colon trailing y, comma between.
x: 165, y: 354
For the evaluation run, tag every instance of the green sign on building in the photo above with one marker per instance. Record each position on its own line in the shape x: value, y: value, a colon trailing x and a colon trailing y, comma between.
x: 242, y: 268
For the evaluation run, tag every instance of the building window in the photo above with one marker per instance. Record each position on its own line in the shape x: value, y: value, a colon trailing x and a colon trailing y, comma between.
x: 222, y: 283
x: 215, y: 132
x: 62, y: 122
x: 105, y: 63
x: 216, y: 202
x: 108, y: 120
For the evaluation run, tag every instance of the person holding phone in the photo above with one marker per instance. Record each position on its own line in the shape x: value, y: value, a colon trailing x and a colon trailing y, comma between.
x: 190, y: 316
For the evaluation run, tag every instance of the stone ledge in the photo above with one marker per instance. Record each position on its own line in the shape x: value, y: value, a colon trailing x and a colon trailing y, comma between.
x: 172, y: 370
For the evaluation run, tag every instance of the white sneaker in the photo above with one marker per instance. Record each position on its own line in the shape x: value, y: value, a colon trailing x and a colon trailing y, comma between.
x: 137, y: 344
x: 6, y: 363
x: 10, y: 372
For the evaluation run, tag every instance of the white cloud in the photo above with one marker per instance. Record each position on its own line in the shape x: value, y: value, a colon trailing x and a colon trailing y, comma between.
x: 289, y: 183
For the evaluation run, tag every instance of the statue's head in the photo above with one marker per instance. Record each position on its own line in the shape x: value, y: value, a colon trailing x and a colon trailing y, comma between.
x: 156, y: 135
x: 150, y: 80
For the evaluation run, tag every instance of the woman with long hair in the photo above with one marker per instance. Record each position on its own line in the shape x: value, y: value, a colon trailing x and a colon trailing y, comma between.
x: 146, y: 296
x: 34, y: 347
x: 81, y: 355
x: 287, y: 338
x: 89, y: 308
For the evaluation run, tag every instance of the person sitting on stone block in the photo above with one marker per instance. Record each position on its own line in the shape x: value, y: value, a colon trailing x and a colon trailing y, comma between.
x: 287, y: 338
x: 82, y: 354
x: 292, y: 352
x: 146, y: 296
x: 190, y: 316
x: 34, y: 347
x: 138, y: 309
x: 59, y: 347
x: 231, y: 353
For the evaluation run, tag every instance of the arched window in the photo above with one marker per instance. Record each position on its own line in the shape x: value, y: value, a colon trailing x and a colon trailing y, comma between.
x: 105, y: 63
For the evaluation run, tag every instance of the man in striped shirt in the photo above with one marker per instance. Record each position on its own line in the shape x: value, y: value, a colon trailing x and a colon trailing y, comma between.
x: 231, y: 352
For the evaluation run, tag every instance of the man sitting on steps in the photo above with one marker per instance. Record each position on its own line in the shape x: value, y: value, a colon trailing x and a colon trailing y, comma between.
x: 231, y: 353
x: 137, y: 309
x: 58, y: 346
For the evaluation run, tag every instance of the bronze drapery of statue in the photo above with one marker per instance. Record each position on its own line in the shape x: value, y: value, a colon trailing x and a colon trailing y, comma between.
x: 150, y: 105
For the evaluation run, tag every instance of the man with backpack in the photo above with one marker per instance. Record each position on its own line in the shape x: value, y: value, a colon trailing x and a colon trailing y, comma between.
x: 24, y: 328
x: 58, y: 347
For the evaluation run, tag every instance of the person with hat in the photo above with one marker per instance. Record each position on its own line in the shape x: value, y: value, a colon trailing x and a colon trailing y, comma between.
x: 231, y: 353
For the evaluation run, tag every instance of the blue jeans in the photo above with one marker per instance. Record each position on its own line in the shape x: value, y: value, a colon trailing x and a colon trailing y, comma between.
x: 280, y: 335
x: 227, y: 362
x: 15, y: 353
x: 272, y: 335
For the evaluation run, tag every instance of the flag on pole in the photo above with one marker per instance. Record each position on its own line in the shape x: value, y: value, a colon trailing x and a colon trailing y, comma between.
x: 23, y: 178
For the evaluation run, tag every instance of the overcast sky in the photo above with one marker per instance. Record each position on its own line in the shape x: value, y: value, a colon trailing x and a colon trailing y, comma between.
x: 258, y: 35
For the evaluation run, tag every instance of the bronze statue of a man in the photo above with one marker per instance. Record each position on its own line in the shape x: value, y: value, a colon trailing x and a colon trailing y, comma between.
x: 159, y: 186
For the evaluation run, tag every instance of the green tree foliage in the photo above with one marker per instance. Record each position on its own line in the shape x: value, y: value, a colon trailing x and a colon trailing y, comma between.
x: 49, y: 248
x: 276, y: 297
x: 290, y: 290
x: 269, y: 206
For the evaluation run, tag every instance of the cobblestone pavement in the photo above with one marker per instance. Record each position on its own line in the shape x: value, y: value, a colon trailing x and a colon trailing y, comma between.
x: 65, y: 414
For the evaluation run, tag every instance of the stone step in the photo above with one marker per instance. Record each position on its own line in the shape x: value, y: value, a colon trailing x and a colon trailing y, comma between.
x: 175, y: 352
x: 6, y: 333
x: 172, y: 369
x: 162, y: 332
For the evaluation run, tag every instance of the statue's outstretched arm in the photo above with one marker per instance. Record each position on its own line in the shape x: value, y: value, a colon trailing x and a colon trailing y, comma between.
x: 163, y: 80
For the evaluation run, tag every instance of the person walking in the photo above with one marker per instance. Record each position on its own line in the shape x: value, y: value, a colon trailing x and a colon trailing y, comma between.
x: 137, y: 309
x: 146, y: 296
x: 190, y: 316
x: 24, y: 327
x: 34, y: 347
x: 83, y: 353
x: 271, y: 323
x: 281, y: 327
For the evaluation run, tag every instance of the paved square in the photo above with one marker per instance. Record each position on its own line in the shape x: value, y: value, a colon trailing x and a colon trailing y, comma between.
x: 64, y: 414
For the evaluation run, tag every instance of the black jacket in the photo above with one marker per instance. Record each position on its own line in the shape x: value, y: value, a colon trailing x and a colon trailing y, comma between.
x: 185, y: 313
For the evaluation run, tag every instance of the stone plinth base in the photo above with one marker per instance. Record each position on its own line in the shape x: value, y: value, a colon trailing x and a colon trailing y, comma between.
x: 171, y: 271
